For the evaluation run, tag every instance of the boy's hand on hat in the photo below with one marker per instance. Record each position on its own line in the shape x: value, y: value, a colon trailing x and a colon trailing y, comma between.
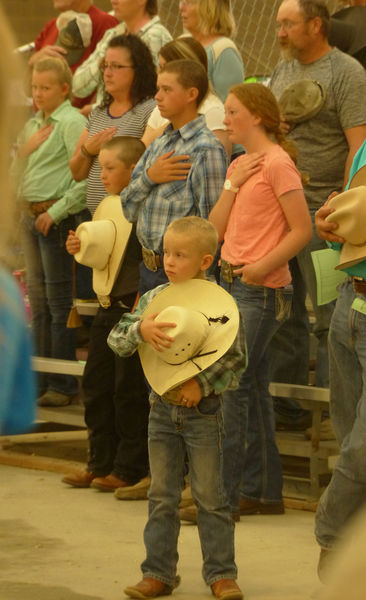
x: 325, y: 229
x: 152, y: 332
x: 72, y: 243
x: 190, y: 393
x: 43, y: 223
x: 246, y: 166
x: 169, y: 168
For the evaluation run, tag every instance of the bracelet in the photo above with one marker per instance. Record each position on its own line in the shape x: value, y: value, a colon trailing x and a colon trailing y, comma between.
x: 85, y: 153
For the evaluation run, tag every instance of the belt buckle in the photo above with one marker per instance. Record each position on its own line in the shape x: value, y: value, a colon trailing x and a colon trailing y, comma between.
x: 226, y: 271
x: 149, y: 259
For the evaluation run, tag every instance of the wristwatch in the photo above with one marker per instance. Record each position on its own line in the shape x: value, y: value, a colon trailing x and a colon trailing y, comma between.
x: 228, y: 186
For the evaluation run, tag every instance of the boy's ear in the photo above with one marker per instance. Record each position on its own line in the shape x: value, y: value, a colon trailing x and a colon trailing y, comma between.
x: 193, y: 94
x: 65, y: 89
x: 206, y: 262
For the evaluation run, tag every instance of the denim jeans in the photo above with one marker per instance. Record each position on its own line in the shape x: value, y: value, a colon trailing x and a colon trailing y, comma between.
x: 150, y: 279
x: 49, y: 282
x: 252, y: 466
x: 346, y: 492
x: 173, y: 432
x: 116, y: 403
x: 291, y: 364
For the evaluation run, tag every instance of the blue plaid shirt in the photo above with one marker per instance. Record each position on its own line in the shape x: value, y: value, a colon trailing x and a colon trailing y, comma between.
x: 222, y: 375
x: 155, y: 206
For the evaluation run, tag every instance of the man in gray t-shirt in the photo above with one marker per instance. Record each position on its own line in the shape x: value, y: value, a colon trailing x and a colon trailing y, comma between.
x: 326, y: 144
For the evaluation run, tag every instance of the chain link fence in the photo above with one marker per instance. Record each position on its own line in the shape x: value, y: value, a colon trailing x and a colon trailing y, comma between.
x: 255, y: 31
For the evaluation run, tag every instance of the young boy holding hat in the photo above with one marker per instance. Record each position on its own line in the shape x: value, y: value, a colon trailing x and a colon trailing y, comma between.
x: 116, y: 399
x: 191, y: 343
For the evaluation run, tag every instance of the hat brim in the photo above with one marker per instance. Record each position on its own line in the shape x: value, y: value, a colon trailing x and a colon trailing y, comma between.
x: 214, y: 302
x: 110, y: 208
x: 351, y: 255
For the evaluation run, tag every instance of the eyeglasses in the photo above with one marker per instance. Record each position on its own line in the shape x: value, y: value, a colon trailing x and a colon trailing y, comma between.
x: 287, y: 25
x: 113, y: 66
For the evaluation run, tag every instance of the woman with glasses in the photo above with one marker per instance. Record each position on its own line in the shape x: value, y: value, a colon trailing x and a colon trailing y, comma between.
x: 129, y: 77
x: 211, y: 22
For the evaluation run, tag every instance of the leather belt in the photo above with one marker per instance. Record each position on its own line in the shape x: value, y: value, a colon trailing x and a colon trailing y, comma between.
x: 227, y: 271
x: 37, y: 208
x: 152, y: 261
x: 359, y: 285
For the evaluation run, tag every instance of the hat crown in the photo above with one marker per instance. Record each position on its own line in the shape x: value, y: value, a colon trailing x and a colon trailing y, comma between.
x: 97, y: 239
x: 350, y: 214
x: 190, y: 333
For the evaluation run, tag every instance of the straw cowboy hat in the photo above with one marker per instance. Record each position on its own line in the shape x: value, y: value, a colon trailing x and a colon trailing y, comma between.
x: 207, y: 321
x: 350, y: 215
x: 103, y: 243
x: 301, y: 100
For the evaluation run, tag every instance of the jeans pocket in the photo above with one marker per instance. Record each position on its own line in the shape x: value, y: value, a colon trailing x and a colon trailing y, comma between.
x: 283, y: 303
x: 209, y: 406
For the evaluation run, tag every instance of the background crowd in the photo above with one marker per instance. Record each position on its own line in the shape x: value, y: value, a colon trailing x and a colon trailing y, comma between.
x: 260, y: 163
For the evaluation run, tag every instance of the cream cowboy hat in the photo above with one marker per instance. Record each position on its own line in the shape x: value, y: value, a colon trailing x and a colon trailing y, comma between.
x: 207, y: 321
x: 301, y: 100
x: 350, y: 216
x: 103, y: 243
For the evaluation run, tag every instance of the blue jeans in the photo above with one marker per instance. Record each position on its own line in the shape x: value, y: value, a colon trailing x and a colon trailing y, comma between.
x: 346, y: 492
x: 291, y: 364
x: 49, y: 282
x: 252, y: 466
x: 150, y: 279
x: 173, y: 432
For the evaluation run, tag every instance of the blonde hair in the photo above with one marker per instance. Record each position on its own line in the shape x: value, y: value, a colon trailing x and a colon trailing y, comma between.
x: 128, y: 149
x: 215, y: 17
x: 57, y: 66
x: 200, y: 230
x: 11, y: 120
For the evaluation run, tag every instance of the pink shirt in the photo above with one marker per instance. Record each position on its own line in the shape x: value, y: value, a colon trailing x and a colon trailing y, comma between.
x: 257, y: 222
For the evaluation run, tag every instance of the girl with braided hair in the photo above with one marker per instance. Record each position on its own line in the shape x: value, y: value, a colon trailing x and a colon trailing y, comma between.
x: 263, y: 218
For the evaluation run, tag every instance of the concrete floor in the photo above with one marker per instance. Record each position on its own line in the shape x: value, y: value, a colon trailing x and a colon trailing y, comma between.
x: 60, y: 543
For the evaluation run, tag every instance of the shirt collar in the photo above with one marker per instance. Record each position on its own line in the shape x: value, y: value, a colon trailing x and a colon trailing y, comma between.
x: 56, y: 115
x: 123, y: 27
x: 188, y: 130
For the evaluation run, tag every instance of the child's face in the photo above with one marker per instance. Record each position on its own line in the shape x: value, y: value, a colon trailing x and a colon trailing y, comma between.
x: 48, y: 93
x: 115, y: 175
x: 183, y: 259
x: 172, y: 97
x: 238, y: 120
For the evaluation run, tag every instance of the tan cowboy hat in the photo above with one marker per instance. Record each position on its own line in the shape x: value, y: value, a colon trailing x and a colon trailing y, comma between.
x: 301, y: 100
x: 350, y: 216
x: 207, y: 321
x: 103, y: 243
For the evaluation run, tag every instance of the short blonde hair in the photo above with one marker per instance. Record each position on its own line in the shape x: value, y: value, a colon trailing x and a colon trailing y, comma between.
x: 215, y: 17
x: 200, y: 230
x: 57, y: 66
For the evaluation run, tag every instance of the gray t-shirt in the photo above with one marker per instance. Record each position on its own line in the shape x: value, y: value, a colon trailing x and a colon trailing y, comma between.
x: 321, y: 144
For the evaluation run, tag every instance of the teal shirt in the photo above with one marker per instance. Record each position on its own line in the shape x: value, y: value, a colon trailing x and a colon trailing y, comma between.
x: 45, y: 174
x: 359, y: 161
x: 226, y: 71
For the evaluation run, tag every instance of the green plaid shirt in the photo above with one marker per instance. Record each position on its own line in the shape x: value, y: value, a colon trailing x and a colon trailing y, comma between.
x: 222, y: 375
